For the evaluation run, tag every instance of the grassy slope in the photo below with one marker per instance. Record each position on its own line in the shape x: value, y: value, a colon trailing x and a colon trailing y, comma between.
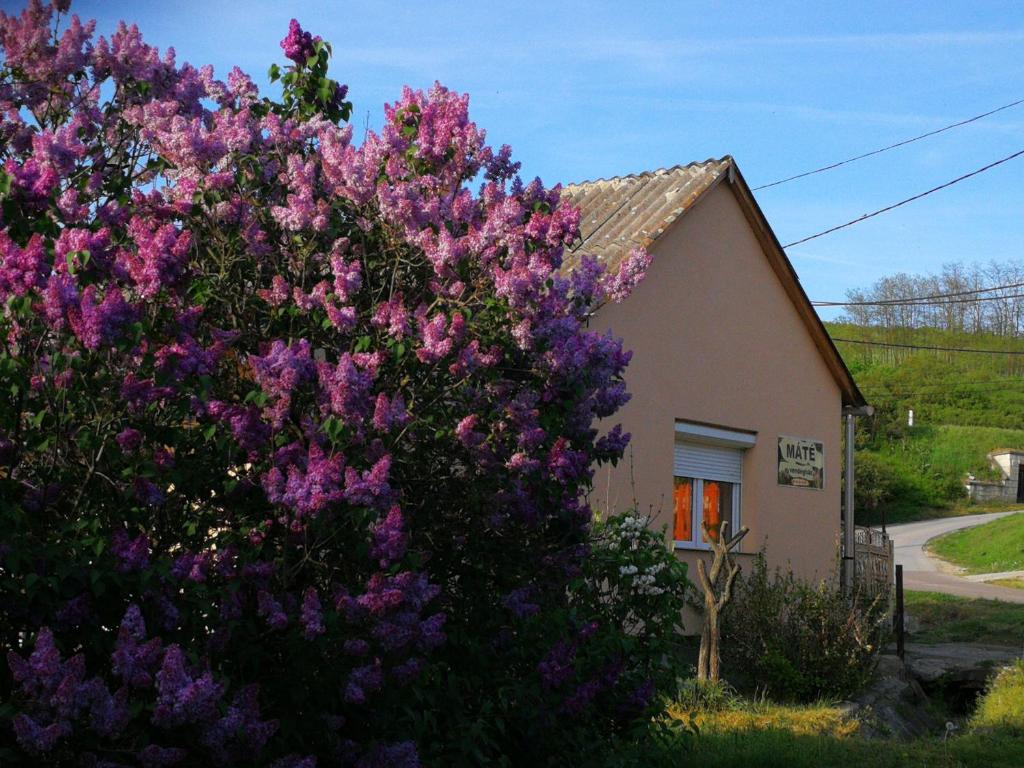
x: 965, y: 406
x: 1003, y: 705
x: 949, y: 619
x: 990, y: 548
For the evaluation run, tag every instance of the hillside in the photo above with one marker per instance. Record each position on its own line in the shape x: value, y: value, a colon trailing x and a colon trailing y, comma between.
x: 965, y: 405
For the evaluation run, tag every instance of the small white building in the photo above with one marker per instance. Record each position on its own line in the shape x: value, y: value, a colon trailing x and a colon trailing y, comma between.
x: 1010, y: 487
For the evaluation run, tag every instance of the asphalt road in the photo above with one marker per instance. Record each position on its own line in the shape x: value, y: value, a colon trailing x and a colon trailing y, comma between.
x: 925, y: 573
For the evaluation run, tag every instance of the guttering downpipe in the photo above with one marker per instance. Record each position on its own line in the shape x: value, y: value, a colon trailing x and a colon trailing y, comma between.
x: 849, y: 540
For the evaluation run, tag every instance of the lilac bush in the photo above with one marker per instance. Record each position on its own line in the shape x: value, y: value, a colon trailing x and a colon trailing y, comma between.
x: 295, y: 433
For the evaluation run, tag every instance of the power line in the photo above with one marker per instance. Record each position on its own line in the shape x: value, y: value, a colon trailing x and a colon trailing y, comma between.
x: 916, y: 302
x: 904, y: 202
x: 934, y: 349
x: 920, y: 299
x: 951, y: 389
x: 891, y: 146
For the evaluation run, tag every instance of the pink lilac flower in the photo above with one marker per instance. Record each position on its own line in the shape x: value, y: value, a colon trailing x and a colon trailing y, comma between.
x: 21, y: 269
x: 389, y: 413
x: 392, y: 316
x: 160, y: 256
x: 280, y: 372
x: 630, y: 272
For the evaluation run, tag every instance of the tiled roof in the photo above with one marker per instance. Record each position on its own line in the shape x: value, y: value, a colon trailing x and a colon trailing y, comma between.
x: 619, y: 214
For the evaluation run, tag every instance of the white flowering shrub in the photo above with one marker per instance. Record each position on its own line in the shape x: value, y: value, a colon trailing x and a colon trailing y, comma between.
x: 634, y: 583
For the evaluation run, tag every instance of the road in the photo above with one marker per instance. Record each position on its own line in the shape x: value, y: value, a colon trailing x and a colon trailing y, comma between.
x: 925, y: 573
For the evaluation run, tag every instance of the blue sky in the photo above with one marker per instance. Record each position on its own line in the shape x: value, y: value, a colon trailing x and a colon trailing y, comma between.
x: 587, y: 90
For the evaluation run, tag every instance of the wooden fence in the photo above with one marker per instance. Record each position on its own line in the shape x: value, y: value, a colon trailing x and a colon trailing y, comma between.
x: 873, y: 560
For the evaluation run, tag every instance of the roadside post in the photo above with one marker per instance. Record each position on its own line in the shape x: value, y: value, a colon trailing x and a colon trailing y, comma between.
x: 900, y: 622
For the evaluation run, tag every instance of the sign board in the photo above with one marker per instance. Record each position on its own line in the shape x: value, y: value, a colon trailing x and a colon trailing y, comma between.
x: 801, y: 462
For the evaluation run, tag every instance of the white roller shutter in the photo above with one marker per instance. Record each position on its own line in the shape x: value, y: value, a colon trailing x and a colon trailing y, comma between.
x: 708, y: 462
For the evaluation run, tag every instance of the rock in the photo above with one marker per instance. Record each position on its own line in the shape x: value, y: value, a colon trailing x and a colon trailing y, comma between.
x: 894, y: 705
x: 959, y: 661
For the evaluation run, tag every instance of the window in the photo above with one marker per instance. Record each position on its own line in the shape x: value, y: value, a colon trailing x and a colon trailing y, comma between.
x: 707, y: 487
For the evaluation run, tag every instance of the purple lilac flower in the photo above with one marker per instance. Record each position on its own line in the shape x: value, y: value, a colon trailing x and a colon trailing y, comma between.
x: 311, y: 615
x: 295, y: 761
x: 519, y: 604
x: 558, y: 665
x: 135, y: 661
x: 298, y: 45
x: 36, y: 738
x: 148, y: 492
x: 129, y: 439
x: 181, y: 697
x: 239, y: 733
x: 271, y: 610
x: 399, y: 755
x: 155, y: 756
x: 132, y: 554
x: 389, y: 538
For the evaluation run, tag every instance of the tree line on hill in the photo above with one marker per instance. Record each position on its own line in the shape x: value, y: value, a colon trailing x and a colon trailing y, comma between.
x: 968, y: 298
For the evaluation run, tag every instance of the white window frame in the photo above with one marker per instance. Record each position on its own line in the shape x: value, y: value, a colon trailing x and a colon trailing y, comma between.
x: 697, y: 513
x: 687, y: 432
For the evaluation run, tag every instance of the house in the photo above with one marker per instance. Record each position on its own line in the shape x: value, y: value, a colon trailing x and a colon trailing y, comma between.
x: 737, y: 389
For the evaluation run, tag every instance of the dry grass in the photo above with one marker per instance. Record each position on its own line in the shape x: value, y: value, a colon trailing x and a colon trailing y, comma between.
x: 810, y: 720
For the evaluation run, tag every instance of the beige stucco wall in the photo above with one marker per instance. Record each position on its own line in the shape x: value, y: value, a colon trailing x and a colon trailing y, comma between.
x: 715, y: 339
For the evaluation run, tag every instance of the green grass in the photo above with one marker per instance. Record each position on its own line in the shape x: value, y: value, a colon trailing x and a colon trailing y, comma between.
x: 949, y: 619
x: 1002, y: 706
x: 783, y: 749
x: 990, y: 548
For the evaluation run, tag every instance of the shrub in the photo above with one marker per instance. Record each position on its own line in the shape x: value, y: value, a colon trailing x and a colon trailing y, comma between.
x: 635, y: 585
x: 293, y: 433
x: 878, y: 482
x: 800, y: 641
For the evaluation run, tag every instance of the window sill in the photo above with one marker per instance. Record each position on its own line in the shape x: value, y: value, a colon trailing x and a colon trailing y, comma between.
x: 689, y: 546
x: 692, y: 546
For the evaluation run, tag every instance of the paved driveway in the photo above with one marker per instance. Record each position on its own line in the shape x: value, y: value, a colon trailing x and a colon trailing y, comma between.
x: 922, y: 572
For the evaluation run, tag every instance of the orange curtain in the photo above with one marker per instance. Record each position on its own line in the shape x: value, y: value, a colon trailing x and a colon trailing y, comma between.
x: 683, y: 500
x: 712, y: 510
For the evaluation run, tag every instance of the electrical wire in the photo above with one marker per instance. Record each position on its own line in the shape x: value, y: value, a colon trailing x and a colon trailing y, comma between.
x: 920, y: 299
x: 912, y: 303
x: 887, y: 208
x: 928, y: 348
x: 886, y: 149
